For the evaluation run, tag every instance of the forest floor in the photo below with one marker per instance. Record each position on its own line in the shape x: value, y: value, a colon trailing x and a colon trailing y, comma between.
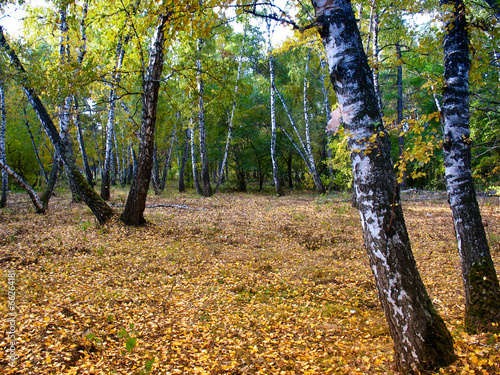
x: 240, y: 284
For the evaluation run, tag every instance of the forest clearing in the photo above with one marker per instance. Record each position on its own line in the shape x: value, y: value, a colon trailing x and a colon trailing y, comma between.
x: 232, y: 284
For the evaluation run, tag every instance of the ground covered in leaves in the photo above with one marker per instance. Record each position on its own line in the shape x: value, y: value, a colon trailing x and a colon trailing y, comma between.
x: 240, y: 284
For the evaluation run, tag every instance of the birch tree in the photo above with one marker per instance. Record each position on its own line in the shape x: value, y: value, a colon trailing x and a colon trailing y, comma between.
x: 274, y: 159
x: 421, y: 339
x: 3, y: 156
x: 482, y: 290
x: 110, y: 126
x: 98, y: 206
x: 136, y: 201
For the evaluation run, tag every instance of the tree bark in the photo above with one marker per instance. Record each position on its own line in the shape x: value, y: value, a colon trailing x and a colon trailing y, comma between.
x: 316, y: 177
x: 401, y: 137
x: 3, y: 151
x: 274, y: 160
x: 166, y: 167
x: 136, y: 201
x: 39, y: 208
x: 185, y: 151
x: 421, y: 339
x: 51, y: 182
x: 482, y: 291
x: 231, y: 116
x: 98, y: 206
x: 64, y: 109
x: 81, y: 143
x: 205, y: 173
x: 193, y: 160
x: 33, y: 143
x: 110, y: 125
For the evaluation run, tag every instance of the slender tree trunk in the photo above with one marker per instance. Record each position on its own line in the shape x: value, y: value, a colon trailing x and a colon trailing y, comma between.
x: 64, y: 110
x: 3, y: 153
x: 401, y: 137
x: 205, y: 173
x: 81, y: 143
x: 34, y: 198
x: 274, y: 159
x: 51, y: 182
x: 376, y: 60
x: 182, y: 169
x: 421, y: 339
x: 167, y: 162
x: 136, y: 201
x: 482, y: 291
x: 193, y: 160
x: 110, y: 126
x: 316, y: 177
x: 98, y: 206
x: 326, y: 106
x: 231, y: 116
x: 79, y: 133
x: 155, y: 173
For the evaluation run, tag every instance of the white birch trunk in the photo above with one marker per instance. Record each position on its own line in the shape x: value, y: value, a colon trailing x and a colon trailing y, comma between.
x: 274, y: 159
x: 421, y: 339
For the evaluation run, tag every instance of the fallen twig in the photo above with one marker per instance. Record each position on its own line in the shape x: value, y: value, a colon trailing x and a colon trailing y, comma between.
x: 164, y: 205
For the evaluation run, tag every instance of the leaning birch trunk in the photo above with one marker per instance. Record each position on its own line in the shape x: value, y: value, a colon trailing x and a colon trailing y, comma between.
x: 33, y: 143
x: 421, y: 339
x: 482, y: 291
x: 274, y: 161
x: 39, y: 208
x: 136, y: 201
x: 3, y: 154
x: 205, y: 173
x: 110, y: 125
x: 316, y: 177
x: 98, y: 206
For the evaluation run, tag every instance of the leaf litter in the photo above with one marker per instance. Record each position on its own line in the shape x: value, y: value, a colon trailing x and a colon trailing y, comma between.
x: 244, y: 284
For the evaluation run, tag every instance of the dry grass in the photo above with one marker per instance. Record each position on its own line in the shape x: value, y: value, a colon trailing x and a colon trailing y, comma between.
x: 243, y: 284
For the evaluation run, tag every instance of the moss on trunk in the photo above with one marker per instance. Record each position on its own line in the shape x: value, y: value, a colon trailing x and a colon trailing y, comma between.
x: 483, y: 312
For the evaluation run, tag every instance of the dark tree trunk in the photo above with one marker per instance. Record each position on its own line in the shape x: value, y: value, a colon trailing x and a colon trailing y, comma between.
x: 289, y: 171
x: 136, y: 201
x: 421, y: 339
x: 3, y: 154
x: 482, y: 291
x: 98, y: 206
x: 51, y: 182
x: 182, y: 170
